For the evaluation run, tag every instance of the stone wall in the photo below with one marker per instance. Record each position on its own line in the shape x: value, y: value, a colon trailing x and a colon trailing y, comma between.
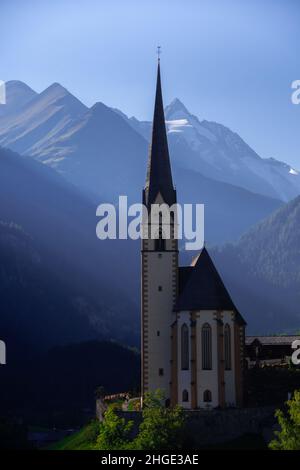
x: 216, y: 426
x: 101, y: 407
x: 206, y: 428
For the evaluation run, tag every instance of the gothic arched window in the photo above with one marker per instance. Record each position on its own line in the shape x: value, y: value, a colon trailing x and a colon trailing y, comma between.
x: 207, y: 396
x: 184, y: 347
x: 206, y: 347
x: 227, y: 346
x: 160, y: 242
x: 185, y: 395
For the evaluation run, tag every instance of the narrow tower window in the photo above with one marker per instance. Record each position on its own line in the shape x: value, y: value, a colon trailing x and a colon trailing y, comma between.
x: 206, y: 347
x: 184, y: 347
x: 227, y: 346
x: 185, y: 395
x: 207, y: 396
x: 160, y: 242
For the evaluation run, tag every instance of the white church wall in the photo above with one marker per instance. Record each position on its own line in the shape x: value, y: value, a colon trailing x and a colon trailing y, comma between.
x: 160, y: 316
x: 160, y: 271
x: 207, y: 379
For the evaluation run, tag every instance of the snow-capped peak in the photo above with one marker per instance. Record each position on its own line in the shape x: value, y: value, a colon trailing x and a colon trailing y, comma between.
x: 180, y: 120
x: 176, y: 108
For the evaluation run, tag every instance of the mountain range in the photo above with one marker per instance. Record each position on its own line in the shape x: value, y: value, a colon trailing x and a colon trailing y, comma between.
x: 54, y: 124
x: 57, y: 278
x: 73, y: 157
x: 104, y: 154
x: 213, y: 150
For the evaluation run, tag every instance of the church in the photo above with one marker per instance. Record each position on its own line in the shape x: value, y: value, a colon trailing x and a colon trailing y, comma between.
x: 192, y: 334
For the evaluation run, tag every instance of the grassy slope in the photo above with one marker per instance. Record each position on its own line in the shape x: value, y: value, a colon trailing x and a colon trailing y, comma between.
x: 84, y: 439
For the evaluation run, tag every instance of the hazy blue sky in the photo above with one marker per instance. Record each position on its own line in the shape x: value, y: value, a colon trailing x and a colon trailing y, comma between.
x: 231, y: 61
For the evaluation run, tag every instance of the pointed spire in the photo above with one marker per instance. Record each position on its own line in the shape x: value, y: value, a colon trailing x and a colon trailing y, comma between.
x: 159, y: 175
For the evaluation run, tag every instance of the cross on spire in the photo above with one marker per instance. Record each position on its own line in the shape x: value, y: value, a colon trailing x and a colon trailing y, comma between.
x: 158, y: 52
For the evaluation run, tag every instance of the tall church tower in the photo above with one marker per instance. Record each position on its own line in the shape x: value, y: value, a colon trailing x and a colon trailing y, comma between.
x: 193, y: 336
x: 159, y: 261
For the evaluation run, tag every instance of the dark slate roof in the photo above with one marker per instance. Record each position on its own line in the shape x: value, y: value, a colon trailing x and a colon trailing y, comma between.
x: 159, y: 175
x: 285, y: 340
x: 201, y: 287
x: 183, y: 275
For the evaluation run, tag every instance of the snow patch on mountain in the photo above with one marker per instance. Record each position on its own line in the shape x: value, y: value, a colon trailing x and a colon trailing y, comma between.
x: 47, y: 125
x: 217, y: 152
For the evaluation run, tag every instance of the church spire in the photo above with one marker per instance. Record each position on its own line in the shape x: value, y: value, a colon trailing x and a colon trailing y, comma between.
x: 159, y: 175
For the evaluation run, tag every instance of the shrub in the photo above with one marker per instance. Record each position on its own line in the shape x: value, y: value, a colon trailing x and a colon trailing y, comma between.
x: 162, y: 428
x: 288, y: 438
x: 114, y: 432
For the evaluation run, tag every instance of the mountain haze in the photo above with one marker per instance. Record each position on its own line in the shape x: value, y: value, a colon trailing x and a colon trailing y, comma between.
x: 78, y: 157
x: 43, y: 117
x: 17, y: 94
x: 268, y: 257
x: 59, y: 223
x: 215, y: 151
x: 104, y: 154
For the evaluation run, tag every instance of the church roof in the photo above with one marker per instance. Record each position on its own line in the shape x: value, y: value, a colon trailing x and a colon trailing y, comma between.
x: 201, y: 287
x: 159, y: 175
x: 284, y: 340
x: 184, y: 274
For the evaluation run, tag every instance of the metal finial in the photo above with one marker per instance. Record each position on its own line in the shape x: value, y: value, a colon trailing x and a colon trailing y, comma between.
x: 158, y: 53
